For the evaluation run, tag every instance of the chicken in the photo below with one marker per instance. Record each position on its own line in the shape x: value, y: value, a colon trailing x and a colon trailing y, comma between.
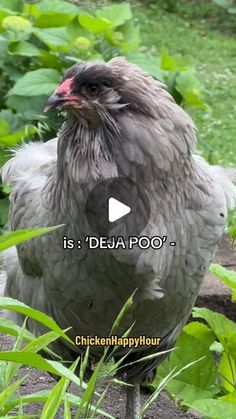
x: 119, y: 122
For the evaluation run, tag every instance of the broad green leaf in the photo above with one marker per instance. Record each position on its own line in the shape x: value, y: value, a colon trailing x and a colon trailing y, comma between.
x: 215, y: 409
x: 167, y: 61
x: 17, y: 136
x: 189, y: 87
x: 28, y: 106
x: 53, y: 37
x: 201, y: 332
x: 32, y: 9
x: 148, y: 64
x: 94, y: 24
x: 230, y: 397
x: 197, y: 382
x: 117, y: 14
x: 13, y: 5
x: 23, y: 48
x: 57, y: 6
x: 19, y: 236
x: 14, y: 121
x: 131, y: 36
x: 14, y: 305
x: 220, y: 324
x: 53, y: 20
x: 229, y: 277
x: 4, y: 127
x: 75, y: 30
x: 37, y: 82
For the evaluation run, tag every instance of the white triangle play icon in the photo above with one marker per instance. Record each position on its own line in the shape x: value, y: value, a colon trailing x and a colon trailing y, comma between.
x: 116, y: 210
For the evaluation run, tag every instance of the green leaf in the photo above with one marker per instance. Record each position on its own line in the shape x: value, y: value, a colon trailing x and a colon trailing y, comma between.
x: 6, y: 394
x: 16, y: 137
x: 37, y: 82
x: 117, y: 14
x: 23, y: 48
x: 197, y: 382
x: 215, y: 409
x: 231, y: 397
x: 57, y: 6
x: 74, y: 30
x: 37, y: 361
x: 94, y: 24
x: 220, y: 324
x: 227, y: 369
x: 56, y: 396
x: 14, y: 121
x: 201, y: 332
x: 13, y: 5
x: 15, y: 305
x: 37, y: 344
x: 189, y: 87
x: 53, y: 20
x: 167, y: 61
x: 10, y: 328
x: 232, y: 232
x: 4, y: 210
x: 4, y: 127
x: 228, y: 277
x: 19, y: 236
x: 131, y: 35
x: 53, y: 37
x: 42, y: 396
x: 148, y: 64
x: 28, y: 106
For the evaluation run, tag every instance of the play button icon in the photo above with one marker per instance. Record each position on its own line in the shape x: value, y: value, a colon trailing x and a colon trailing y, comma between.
x: 116, y: 210
x: 117, y: 207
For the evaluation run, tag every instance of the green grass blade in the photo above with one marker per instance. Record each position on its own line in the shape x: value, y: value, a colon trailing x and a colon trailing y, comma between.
x: 8, y: 327
x: 41, y: 342
x: 37, y: 361
x: 56, y: 395
x: 19, y: 236
x: 15, y: 305
x: 8, y: 393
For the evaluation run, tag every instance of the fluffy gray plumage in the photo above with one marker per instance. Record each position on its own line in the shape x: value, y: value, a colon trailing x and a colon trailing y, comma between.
x: 123, y: 123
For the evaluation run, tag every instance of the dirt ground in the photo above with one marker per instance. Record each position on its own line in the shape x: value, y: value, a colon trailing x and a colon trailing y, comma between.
x: 214, y: 295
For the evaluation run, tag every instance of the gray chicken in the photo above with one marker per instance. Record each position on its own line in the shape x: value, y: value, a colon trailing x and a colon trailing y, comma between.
x: 119, y: 123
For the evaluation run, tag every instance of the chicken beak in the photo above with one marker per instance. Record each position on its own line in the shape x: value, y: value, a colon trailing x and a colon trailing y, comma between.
x: 53, y: 102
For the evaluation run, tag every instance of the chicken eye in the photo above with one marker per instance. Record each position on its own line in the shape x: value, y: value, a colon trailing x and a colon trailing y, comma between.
x: 93, y: 88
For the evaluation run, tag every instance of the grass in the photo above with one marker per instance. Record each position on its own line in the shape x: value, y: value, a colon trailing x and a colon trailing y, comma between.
x: 213, y: 55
